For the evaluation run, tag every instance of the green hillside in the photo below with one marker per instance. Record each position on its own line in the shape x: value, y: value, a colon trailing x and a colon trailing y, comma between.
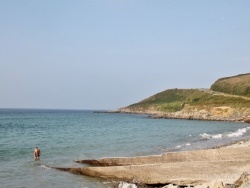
x: 173, y: 100
x: 227, y: 100
x: 237, y: 85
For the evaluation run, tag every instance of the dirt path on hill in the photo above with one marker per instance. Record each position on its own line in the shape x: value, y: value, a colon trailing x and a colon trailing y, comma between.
x: 221, y: 93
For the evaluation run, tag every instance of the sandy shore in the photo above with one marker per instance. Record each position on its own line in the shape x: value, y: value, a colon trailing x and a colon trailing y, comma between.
x: 240, y: 143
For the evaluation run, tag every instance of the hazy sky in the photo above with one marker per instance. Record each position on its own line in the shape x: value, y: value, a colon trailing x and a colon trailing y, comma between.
x: 106, y: 54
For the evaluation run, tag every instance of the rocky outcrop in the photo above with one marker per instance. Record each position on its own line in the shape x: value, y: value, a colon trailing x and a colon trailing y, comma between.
x: 247, y: 119
x: 222, y: 154
x: 244, y: 179
x: 190, y: 168
x: 181, y: 173
x: 221, y: 113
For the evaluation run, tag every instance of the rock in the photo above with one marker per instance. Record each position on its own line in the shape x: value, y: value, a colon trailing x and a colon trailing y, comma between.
x: 178, y: 173
x: 201, y: 186
x: 245, y: 185
x: 208, y: 168
x: 171, y: 186
x: 212, y: 184
x: 218, y: 184
x: 229, y: 186
x: 247, y: 120
x: 245, y: 177
x: 170, y: 157
x: 94, y: 162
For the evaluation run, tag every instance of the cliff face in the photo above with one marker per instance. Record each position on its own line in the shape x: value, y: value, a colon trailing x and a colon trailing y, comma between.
x: 220, y: 113
x: 204, y: 104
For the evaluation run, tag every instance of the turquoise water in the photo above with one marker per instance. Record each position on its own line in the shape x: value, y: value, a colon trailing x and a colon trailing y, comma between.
x: 64, y: 136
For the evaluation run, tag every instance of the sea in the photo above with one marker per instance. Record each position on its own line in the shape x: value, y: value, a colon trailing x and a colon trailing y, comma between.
x: 64, y: 136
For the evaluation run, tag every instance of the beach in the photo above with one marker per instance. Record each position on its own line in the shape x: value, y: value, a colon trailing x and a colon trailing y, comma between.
x: 223, y: 166
x: 66, y: 136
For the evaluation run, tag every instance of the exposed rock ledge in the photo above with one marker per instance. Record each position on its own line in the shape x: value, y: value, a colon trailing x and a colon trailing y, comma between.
x: 189, y: 168
x: 221, y: 113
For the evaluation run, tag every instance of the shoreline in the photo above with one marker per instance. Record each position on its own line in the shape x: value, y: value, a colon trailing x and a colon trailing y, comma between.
x: 206, y: 168
x: 239, y: 143
x: 161, y: 115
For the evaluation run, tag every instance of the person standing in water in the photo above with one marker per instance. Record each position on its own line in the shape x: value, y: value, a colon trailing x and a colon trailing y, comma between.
x: 37, y: 153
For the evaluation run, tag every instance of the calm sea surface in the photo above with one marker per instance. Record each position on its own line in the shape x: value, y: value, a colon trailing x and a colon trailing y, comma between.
x: 64, y: 136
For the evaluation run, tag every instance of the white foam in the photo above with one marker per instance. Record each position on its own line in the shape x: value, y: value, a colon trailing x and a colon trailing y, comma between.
x: 217, y: 136
x: 126, y: 185
x: 43, y: 166
x: 181, y: 146
x: 238, y: 133
x: 209, y: 136
x: 205, y: 135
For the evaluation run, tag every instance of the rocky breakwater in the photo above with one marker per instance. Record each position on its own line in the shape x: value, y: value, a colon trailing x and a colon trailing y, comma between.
x: 202, y: 168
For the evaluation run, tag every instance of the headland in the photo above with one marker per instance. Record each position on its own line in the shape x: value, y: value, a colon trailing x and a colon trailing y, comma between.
x: 228, y: 99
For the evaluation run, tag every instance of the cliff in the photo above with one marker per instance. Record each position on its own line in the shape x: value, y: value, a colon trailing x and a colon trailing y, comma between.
x: 216, y: 103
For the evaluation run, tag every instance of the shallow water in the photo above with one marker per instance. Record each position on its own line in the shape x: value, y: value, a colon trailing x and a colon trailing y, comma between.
x: 64, y: 136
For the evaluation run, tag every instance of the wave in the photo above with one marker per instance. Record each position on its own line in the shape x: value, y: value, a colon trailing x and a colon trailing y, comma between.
x: 43, y: 166
x: 238, y: 133
x: 209, y: 136
x: 181, y: 146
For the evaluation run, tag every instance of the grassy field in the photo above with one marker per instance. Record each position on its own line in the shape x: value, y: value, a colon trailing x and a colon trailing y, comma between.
x: 237, y: 85
x: 174, y: 100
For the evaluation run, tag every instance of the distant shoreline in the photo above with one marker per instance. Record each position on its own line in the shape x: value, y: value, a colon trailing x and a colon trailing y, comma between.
x: 160, y: 115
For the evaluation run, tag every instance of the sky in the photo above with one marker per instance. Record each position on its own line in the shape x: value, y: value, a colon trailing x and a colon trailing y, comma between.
x: 108, y: 54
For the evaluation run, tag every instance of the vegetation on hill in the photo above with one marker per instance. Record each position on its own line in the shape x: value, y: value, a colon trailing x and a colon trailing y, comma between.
x: 227, y: 100
x: 173, y: 100
x: 236, y: 85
